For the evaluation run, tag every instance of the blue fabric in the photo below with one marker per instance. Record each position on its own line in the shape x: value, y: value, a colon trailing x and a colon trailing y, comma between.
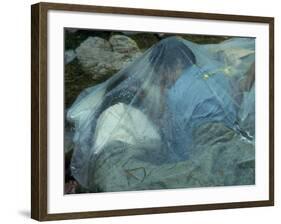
x: 199, y: 95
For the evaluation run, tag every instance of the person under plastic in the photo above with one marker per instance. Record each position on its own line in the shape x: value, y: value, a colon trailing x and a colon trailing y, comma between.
x: 142, y: 119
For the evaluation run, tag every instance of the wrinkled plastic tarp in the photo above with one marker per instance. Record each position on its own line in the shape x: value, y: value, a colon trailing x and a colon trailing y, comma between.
x: 147, y: 114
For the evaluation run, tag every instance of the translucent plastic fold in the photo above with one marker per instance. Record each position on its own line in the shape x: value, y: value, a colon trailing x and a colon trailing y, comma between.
x: 154, y: 106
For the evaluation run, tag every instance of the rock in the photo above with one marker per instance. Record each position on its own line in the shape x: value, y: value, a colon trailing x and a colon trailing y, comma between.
x: 123, y: 45
x: 69, y: 56
x: 102, y: 58
x: 95, y: 55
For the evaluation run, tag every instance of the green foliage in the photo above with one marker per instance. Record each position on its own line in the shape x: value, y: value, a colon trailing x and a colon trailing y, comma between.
x: 76, y: 80
x: 204, y: 39
x: 74, y: 39
x: 145, y: 40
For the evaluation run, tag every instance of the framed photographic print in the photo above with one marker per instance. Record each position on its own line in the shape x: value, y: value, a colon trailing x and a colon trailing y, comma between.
x: 139, y: 111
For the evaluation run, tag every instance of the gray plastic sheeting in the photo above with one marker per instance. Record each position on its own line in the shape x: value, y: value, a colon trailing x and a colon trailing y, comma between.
x: 148, y: 127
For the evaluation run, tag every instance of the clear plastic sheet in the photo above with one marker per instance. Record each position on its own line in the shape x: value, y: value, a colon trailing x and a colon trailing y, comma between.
x: 149, y: 111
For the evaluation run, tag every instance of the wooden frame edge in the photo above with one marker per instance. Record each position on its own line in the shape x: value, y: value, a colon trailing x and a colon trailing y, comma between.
x: 34, y: 112
x: 39, y: 110
x: 153, y: 12
x: 271, y: 110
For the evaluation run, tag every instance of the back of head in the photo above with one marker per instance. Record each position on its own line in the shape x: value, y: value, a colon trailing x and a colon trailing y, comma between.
x: 170, y: 57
